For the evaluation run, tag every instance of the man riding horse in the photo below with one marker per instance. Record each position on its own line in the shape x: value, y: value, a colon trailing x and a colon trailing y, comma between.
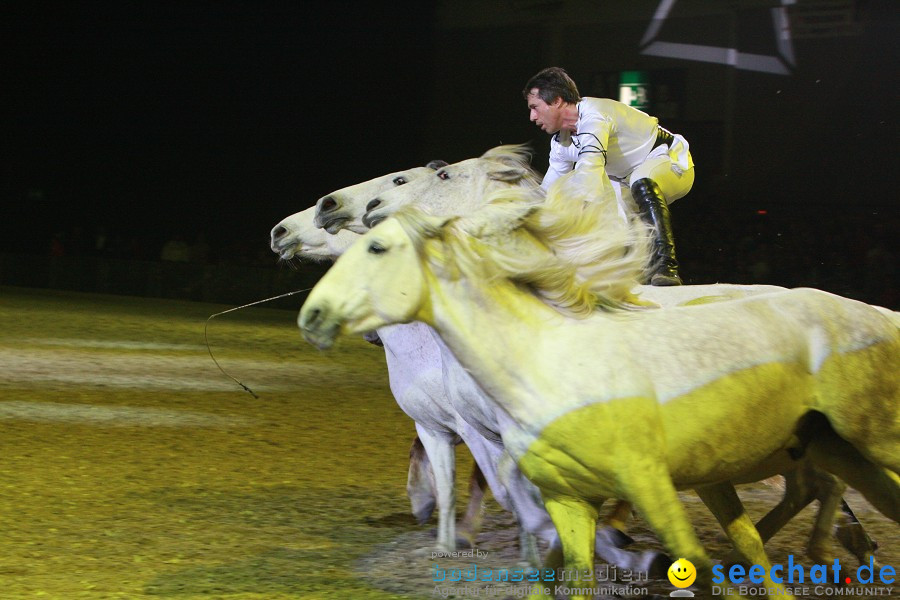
x: 629, y: 144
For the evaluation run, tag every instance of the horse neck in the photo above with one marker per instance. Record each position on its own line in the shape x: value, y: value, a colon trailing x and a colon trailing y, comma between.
x: 475, y: 196
x: 484, y: 327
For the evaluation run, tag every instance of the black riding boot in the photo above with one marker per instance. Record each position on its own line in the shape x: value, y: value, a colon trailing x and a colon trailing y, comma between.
x: 655, y: 212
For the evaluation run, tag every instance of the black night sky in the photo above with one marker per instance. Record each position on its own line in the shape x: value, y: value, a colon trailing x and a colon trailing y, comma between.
x: 155, y: 119
x: 222, y: 116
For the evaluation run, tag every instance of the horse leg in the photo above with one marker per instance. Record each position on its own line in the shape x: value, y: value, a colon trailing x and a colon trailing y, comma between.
x: 420, y: 483
x: 524, y: 501
x: 533, y: 520
x: 471, y: 522
x: 797, y: 495
x: 852, y: 536
x: 722, y: 500
x: 576, y: 524
x: 553, y: 562
x: 420, y: 487
x: 649, y: 487
x: 618, y: 517
x: 510, y: 489
x: 880, y: 486
x: 809, y: 482
x: 611, y: 539
x: 830, y: 491
x: 803, y: 485
x: 440, y: 449
x: 609, y: 543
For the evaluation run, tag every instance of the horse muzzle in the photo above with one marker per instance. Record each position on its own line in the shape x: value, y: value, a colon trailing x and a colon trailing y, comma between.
x: 370, y: 220
x: 317, y: 328
x: 331, y: 223
x: 286, y: 250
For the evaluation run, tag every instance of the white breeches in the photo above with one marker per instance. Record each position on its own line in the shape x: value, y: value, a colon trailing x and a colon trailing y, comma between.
x: 671, y: 167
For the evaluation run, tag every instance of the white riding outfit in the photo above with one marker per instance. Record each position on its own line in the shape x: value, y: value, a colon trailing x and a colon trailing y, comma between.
x: 628, y: 144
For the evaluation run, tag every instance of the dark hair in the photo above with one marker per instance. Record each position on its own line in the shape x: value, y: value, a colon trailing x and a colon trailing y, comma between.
x: 553, y: 83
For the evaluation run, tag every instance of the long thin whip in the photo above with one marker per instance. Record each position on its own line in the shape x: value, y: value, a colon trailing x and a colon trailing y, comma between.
x: 206, y: 330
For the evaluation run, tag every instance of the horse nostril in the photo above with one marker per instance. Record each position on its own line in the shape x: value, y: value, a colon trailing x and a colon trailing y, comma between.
x: 278, y: 233
x: 373, y: 204
x: 328, y: 203
x: 371, y: 221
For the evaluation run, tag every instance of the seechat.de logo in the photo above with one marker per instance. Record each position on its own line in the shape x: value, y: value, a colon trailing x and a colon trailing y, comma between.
x: 794, y: 573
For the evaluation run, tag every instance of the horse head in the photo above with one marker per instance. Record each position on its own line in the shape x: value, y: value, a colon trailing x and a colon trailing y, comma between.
x: 297, y: 236
x: 300, y: 234
x: 339, y: 209
x: 380, y: 280
x: 566, y: 250
x: 459, y: 188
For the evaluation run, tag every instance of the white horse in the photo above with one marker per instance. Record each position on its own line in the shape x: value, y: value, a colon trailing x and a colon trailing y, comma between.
x: 459, y: 189
x: 508, y: 166
x: 299, y: 235
x: 416, y: 375
x: 296, y: 236
x: 414, y: 369
x: 429, y: 483
x: 695, y: 396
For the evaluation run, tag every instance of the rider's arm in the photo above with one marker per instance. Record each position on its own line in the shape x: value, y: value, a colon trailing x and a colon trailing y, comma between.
x: 593, y: 141
x: 559, y: 165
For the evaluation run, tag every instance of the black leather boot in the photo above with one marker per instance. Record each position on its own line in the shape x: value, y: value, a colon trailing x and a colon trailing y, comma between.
x: 655, y: 212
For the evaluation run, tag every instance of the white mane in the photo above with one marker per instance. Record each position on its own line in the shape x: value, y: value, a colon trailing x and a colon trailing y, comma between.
x: 459, y: 188
x: 517, y: 156
x: 574, y: 254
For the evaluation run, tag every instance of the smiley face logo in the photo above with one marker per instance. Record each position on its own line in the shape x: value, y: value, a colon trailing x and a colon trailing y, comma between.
x: 682, y: 573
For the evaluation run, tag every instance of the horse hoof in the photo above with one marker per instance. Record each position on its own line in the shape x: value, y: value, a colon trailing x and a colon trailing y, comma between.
x: 464, y: 542
x: 615, y: 538
x: 372, y: 338
x: 430, y: 551
x: 421, y: 552
x: 658, y: 566
x: 422, y: 517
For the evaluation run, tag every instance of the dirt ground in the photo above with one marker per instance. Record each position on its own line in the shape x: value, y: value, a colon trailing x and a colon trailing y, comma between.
x: 131, y: 467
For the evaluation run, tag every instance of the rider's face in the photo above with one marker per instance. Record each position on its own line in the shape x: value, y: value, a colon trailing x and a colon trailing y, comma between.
x: 546, y: 116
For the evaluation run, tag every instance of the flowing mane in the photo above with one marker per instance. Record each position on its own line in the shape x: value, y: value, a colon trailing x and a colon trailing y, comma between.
x: 575, y: 255
x: 517, y: 156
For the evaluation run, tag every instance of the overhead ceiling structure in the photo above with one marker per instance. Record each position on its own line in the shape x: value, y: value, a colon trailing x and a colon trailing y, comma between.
x: 780, y: 63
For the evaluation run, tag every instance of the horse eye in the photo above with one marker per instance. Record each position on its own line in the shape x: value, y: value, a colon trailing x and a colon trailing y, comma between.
x: 399, y: 180
x: 376, y: 248
x: 444, y: 175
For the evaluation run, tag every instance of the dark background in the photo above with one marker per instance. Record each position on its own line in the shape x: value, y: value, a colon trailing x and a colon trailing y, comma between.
x: 162, y: 118
x: 144, y: 121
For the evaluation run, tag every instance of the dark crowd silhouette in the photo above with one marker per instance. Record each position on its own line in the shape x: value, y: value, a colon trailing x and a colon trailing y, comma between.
x: 848, y: 250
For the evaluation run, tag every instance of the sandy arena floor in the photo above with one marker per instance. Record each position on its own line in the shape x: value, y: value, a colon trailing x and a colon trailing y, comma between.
x: 131, y: 467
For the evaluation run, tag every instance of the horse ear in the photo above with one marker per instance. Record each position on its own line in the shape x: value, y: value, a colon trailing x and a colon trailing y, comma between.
x: 510, y: 175
x: 437, y: 164
x: 511, y: 155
